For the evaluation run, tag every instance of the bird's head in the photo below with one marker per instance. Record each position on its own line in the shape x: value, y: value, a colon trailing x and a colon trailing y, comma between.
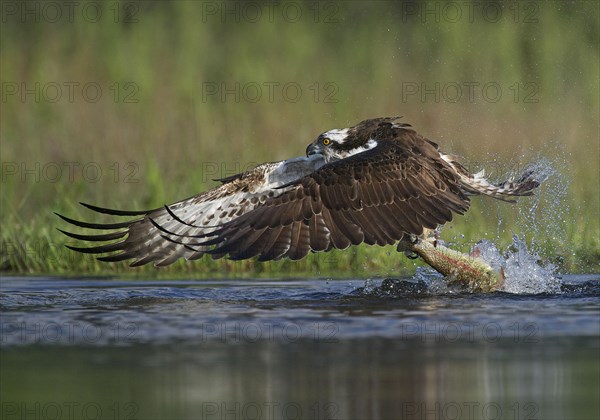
x: 341, y: 143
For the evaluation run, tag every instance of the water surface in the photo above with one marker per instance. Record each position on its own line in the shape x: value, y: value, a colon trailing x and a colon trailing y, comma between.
x: 307, y: 348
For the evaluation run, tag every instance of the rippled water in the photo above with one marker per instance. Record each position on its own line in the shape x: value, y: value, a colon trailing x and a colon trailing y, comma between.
x: 395, y: 348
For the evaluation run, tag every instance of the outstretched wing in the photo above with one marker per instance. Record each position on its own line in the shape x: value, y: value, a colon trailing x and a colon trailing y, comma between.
x: 163, y: 235
x: 378, y: 196
x: 144, y: 239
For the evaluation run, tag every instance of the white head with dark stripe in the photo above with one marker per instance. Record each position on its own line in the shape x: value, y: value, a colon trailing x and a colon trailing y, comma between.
x: 341, y: 143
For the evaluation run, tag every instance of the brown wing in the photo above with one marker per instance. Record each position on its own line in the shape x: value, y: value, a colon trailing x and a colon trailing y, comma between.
x: 143, y: 239
x: 162, y: 236
x: 399, y: 187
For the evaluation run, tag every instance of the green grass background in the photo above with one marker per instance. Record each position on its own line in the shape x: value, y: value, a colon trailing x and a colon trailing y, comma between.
x: 352, y: 60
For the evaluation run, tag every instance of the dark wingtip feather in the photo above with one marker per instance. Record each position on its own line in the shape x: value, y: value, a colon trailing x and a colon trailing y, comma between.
x: 138, y: 263
x: 177, y: 218
x: 95, y: 225
x: 114, y: 212
x: 97, y: 249
x: 228, y: 178
x: 159, y: 227
x: 174, y: 216
x: 94, y: 238
x: 167, y: 231
x: 115, y: 257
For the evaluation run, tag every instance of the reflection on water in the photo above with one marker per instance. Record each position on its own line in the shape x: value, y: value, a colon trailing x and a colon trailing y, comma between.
x: 369, y: 378
x: 296, y: 349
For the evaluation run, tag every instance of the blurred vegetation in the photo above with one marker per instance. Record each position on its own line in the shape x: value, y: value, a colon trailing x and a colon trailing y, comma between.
x: 157, y: 133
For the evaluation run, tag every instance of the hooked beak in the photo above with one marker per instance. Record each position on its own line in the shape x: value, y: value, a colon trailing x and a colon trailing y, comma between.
x: 312, y: 149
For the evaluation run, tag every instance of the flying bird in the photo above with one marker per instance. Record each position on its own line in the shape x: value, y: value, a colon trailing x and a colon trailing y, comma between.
x: 378, y: 182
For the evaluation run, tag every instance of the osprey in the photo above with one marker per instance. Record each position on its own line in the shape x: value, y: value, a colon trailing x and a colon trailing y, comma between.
x: 378, y: 182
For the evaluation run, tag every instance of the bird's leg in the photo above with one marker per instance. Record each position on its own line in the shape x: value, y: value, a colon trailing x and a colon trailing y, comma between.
x: 408, y: 242
x: 406, y: 245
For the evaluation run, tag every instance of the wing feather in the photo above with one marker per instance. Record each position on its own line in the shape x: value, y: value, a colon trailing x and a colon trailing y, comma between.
x: 270, y: 237
x: 163, y: 235
x: 399, y: 187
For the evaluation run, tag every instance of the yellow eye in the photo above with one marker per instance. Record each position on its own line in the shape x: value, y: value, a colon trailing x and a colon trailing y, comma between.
x: 326, y: 141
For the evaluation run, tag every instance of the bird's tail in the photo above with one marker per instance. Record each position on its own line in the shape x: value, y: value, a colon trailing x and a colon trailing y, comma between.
x: 476, y: 184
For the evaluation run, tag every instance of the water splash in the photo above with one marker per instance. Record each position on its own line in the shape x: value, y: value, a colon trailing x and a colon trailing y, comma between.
x: 524, y: 273
x: 544, y: 216
x: 539, y: 229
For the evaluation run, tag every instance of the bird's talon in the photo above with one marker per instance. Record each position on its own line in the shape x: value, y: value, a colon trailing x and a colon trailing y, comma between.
x: 411, y: 255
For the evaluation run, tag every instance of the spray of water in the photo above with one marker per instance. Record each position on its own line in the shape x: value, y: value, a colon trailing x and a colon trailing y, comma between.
x: 524, y: 272
x: 540, y: 228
